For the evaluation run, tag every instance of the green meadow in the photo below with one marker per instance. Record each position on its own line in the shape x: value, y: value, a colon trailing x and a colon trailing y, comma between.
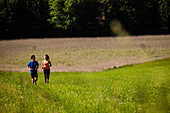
x: 142, y: 88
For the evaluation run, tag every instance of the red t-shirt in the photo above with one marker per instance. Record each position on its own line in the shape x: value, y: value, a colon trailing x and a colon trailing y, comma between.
x: 46, y: 64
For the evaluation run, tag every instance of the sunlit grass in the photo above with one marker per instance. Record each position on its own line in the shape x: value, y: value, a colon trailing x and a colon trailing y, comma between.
x: 135, y: 88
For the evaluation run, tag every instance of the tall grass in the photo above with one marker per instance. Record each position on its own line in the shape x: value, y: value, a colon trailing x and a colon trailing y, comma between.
x: 136, y: 88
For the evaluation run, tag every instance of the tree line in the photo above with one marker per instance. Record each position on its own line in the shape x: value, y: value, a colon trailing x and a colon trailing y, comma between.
x: 83, y: 18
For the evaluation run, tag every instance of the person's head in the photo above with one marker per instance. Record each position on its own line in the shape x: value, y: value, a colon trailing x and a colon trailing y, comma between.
x: 46, y: 57
x: 33, y: 57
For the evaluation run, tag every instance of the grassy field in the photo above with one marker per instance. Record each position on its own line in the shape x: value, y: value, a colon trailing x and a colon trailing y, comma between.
x: 142, y: 88
x: 84, y: 54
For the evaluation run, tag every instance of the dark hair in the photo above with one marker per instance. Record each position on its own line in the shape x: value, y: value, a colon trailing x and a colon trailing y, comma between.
x: 47, y: 57
x: 33, y: 56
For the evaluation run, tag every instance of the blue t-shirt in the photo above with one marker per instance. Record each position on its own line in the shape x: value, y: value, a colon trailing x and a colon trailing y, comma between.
x: 33, y: 65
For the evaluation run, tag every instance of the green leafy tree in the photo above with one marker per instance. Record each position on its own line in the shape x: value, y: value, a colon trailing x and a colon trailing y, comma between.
x: 164, y: 12
x: 62, y: 12
x: 45, y: 18
x: 6, y: 17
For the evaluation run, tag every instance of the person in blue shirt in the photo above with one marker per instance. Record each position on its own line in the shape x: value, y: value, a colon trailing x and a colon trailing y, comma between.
x: 33, y: 67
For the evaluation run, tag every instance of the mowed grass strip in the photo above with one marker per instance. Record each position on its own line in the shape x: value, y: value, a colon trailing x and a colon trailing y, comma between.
x: 130, y: 89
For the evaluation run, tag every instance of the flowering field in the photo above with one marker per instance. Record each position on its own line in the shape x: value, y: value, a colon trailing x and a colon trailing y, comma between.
x: 84, y: 54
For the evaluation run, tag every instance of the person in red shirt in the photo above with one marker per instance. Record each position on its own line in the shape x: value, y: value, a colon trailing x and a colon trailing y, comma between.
x: 46, y: 64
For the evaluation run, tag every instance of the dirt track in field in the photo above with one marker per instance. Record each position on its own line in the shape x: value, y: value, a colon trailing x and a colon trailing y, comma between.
x: 84, y: 54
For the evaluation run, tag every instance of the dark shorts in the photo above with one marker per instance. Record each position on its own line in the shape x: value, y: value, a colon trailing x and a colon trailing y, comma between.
x: 34, y: 75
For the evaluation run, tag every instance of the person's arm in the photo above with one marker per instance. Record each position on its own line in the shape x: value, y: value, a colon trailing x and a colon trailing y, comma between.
x: 50, y: 63
x: 37, y: 66
x: 28, y: 66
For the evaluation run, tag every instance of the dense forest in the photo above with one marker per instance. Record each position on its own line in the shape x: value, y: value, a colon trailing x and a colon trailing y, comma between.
x: 83, y: 18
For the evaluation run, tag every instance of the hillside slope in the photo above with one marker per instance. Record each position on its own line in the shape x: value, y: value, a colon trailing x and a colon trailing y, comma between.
x: 135, y: 88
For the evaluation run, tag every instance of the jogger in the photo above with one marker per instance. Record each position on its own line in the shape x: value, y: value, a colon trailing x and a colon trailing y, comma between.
x: 46, y: 64
x: 33, y: 67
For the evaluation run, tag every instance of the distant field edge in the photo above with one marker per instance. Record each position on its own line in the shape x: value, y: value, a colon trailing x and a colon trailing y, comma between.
x: 141, y: 36
x: 113, y: 68
x: 166, y: 59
